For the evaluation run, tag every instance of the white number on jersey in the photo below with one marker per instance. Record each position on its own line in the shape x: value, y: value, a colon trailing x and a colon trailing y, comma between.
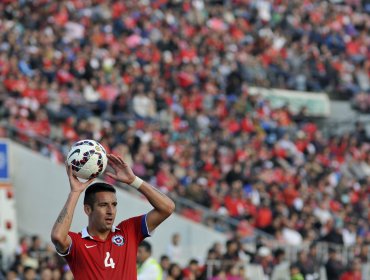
x: 108, y: 262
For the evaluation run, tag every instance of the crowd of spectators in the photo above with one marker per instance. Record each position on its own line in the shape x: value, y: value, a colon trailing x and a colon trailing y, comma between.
x: 35, y: 259
x: 166, y: 83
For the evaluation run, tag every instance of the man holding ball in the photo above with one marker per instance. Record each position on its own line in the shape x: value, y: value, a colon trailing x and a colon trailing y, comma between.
x: 101, y: 250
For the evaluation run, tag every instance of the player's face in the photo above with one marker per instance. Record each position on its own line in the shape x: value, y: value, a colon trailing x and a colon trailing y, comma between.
x: 104, y: 212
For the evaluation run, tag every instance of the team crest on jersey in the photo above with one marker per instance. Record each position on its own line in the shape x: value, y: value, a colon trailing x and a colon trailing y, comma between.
x: 118, y: 240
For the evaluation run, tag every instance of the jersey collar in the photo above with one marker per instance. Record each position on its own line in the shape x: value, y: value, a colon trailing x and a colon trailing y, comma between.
x: 85, y: 233
x: 114, y: 229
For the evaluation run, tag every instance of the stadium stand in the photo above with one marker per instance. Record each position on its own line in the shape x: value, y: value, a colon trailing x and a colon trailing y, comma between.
x: 167, y: 84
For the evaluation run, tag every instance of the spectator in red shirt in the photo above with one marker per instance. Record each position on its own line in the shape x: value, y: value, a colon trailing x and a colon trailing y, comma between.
x: 264, y: 215
x: 353, y: 271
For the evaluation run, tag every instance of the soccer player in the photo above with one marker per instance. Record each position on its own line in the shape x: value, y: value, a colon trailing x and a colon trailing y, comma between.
x: 102, y: 250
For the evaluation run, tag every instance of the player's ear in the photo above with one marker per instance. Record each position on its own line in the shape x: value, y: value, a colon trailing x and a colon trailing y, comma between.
x: 87, y: 209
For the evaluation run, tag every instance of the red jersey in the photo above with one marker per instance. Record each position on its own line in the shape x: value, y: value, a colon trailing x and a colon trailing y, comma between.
x: 91, y: 258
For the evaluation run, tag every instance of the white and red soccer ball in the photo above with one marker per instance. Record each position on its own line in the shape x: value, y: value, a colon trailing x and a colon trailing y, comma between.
x: 88, y: 159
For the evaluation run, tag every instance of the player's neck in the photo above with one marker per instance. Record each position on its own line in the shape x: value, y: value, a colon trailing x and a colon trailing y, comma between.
x: 102, y: 235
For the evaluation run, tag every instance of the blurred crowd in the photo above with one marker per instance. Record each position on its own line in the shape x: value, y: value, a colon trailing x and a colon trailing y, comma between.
x: 37, y: 260
x: 166, y: 84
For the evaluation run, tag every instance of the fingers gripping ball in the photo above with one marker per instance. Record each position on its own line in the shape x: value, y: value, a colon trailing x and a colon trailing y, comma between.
x: 88, y: 159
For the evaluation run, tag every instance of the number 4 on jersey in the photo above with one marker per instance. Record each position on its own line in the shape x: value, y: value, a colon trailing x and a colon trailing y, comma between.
x: 108, y: 262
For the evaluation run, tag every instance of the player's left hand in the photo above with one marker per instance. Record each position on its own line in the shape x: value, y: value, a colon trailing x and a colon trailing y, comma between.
x: 123, y: 172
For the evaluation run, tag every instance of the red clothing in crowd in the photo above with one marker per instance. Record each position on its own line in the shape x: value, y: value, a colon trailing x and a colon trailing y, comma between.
x: 263, y: 217
x: 290, y: 194
x: 235, y: 206
x: 351, y: 275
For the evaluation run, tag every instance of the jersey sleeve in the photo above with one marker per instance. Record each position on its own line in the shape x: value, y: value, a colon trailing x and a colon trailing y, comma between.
x: 69, y: 255
x: 137, y: 227
x: 63, y: 254
x: 144, y: 226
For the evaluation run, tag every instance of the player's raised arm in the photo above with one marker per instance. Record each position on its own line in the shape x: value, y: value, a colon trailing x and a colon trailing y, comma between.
x: 163, y: 205
x: 59, y: 233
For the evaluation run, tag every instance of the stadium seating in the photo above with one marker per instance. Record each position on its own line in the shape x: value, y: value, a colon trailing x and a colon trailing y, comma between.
x: 167, y: 84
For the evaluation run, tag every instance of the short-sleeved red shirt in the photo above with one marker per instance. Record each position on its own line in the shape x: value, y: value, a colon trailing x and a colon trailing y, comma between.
x: 91, y: 258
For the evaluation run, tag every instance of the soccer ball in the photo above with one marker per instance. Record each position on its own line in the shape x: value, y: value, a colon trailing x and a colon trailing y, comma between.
x: 88, y: 159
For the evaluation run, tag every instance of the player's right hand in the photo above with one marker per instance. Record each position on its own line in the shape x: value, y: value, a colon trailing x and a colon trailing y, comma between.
x: 75, y: 184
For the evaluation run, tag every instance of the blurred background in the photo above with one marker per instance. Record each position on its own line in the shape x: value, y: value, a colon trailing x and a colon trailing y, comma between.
x: 253, y: 115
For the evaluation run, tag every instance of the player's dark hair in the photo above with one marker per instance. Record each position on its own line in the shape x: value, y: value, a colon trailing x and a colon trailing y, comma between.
x: 146, y: 245
x: 94, y: 188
